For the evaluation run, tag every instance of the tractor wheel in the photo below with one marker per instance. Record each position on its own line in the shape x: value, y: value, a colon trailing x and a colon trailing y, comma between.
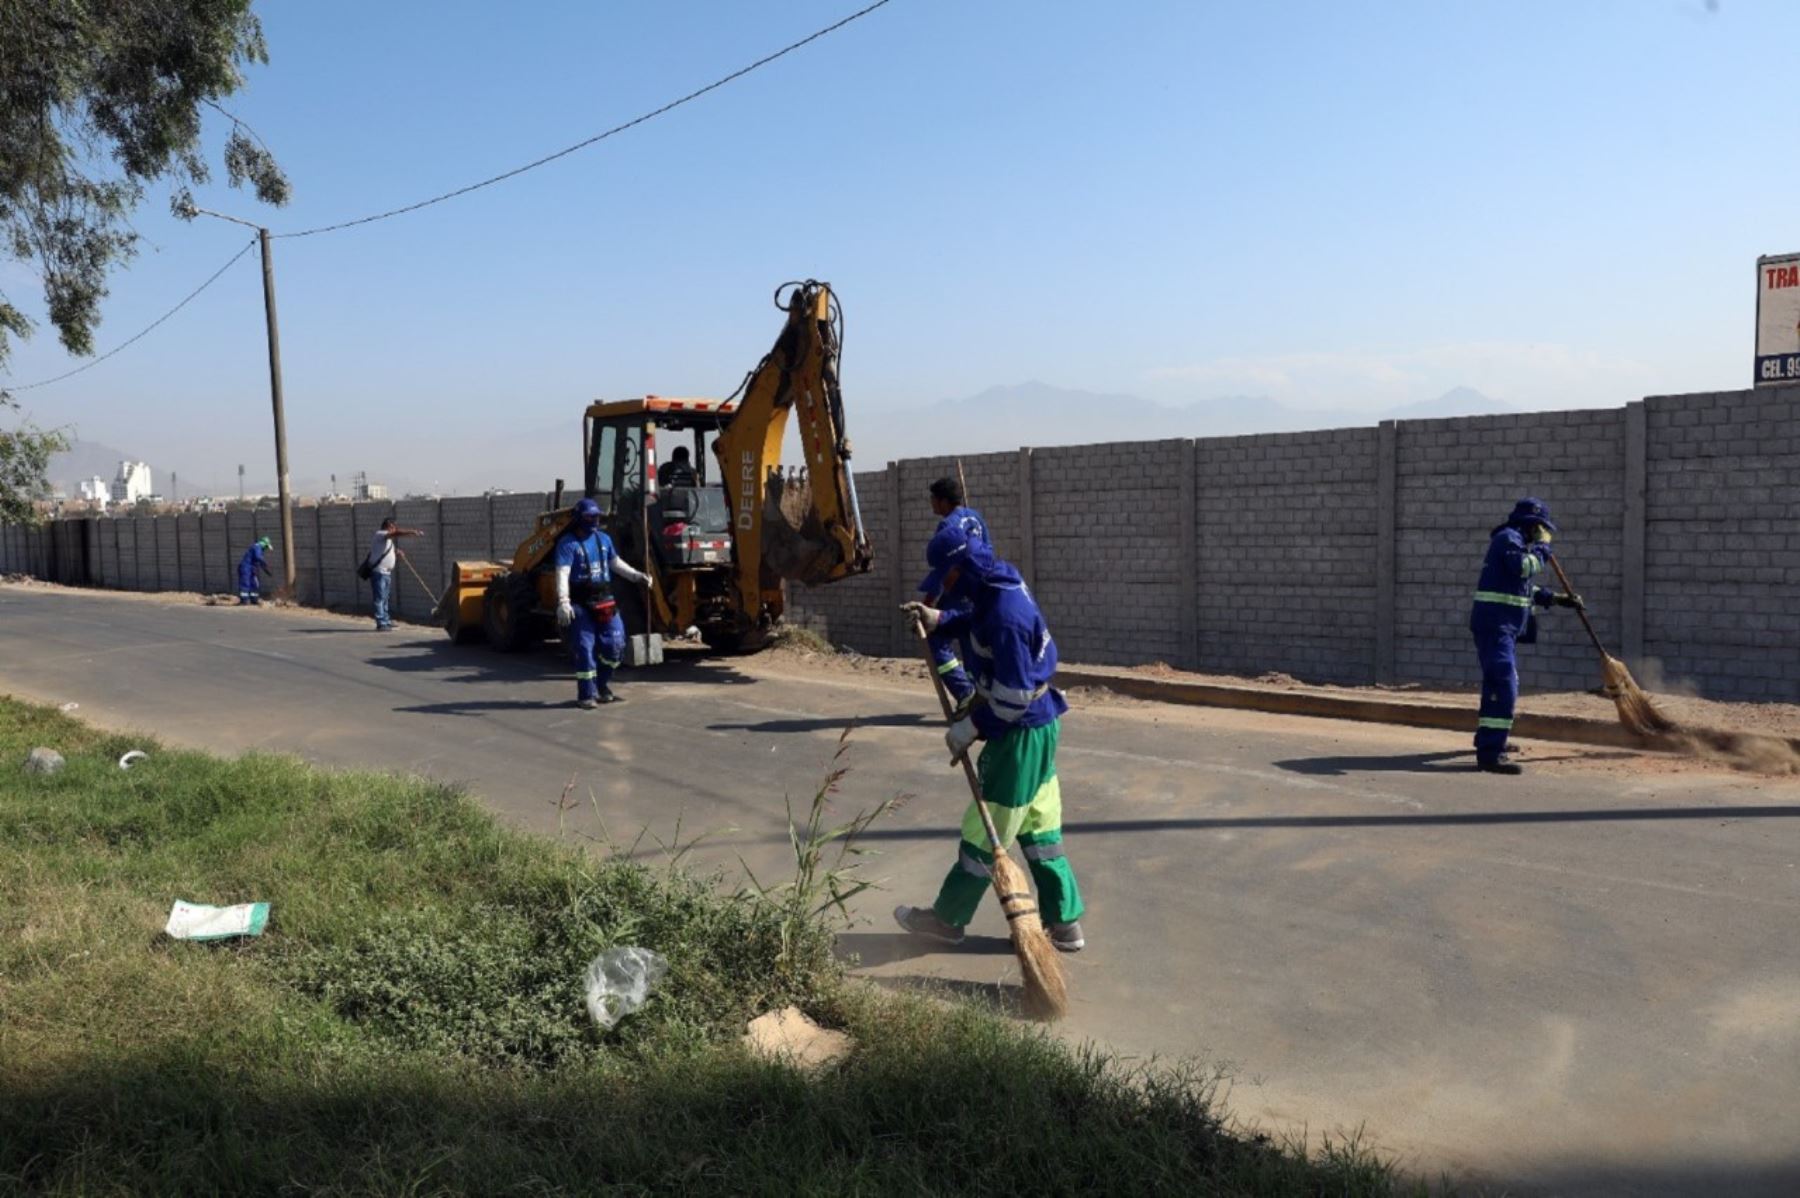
x: 449, y: 614
x: 724, y: 640
x: 506, y: 614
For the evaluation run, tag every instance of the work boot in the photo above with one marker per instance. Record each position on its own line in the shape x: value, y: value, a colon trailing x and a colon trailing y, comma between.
x: 923, y: 921
x: 587, y: 704
x: 607, y: 696
x: 1067, y: 937
x: 1500, y: 765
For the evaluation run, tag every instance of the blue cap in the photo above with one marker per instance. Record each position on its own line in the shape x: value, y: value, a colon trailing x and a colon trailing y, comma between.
x: 1531, y: 511
x: 587, y: 509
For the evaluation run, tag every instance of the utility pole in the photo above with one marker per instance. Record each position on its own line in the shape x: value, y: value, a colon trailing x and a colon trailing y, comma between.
x: 174, y: 489
x: 281, y: 459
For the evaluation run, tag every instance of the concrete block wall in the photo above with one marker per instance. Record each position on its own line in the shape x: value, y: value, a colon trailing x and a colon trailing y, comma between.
x: 188, y: 547
x: 1342, y: 556
x: 1722, y: 542
x: 1105, y: 544
x: 859, y: 611
x: 425, y: 557
x: 1455, y: 480
x: 339, y: 554
x: 1288, y: 529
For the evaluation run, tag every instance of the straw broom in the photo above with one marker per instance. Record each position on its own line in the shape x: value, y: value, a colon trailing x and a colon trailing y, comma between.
x: 1046, y: 989
x: 1636, y: 711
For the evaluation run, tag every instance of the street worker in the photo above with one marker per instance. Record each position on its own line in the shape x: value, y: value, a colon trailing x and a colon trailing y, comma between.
x: 951, y: 653
x: 678, y: 471
x: 1017, y: 714
x: 1502, y: 617
x: 255, y: 561
x: 586, y: 611
x: 382, y: 553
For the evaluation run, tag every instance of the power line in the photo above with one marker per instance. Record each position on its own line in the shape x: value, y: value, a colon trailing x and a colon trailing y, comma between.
x: 143, y: 332
x: 598, y: 137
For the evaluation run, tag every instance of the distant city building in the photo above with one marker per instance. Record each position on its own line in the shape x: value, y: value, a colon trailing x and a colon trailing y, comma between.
x: 367, y: 491
x: 95, y: 490
x: 133, y: 483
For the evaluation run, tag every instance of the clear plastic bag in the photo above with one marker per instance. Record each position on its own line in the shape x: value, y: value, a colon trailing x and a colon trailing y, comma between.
x: 620, y: 980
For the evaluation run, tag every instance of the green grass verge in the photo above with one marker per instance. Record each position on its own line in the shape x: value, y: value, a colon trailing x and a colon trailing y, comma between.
x: 412, y: 1020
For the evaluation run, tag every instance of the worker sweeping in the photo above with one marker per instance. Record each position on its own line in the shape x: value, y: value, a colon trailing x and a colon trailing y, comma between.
x: 254, y: 562
x: 586, y: 610
x: 1502, y: 618
x: 1018, y: 714
x: 950, y: 653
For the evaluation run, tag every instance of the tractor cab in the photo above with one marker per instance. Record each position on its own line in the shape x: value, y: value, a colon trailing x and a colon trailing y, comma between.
x: 681, y: 534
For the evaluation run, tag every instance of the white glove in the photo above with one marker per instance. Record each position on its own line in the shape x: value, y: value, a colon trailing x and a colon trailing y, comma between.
x: 628, y: 572
x: 927, y: 615
x: 959, y: 736
x: 565, y: 614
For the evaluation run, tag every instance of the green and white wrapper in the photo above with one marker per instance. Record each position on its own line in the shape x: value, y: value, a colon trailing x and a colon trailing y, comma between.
x: 197, y: 921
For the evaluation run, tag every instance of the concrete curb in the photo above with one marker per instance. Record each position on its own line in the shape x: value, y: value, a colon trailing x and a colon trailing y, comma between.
x: 1575, y: 729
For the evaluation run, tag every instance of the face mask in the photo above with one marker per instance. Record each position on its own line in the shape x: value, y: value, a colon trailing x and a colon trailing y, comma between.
x: 1540, y: 534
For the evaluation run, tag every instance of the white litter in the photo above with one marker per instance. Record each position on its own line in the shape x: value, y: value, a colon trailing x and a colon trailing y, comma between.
x: 132, y: 758
x: 68, y: 707
x: 619, y: 981
x: 197, y: 921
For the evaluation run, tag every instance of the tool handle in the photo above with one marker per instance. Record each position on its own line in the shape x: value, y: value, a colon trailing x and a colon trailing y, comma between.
x: 949, y: 708
x: 1580, y: 611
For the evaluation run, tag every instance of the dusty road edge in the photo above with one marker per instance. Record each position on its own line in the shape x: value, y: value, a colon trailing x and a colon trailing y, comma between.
x: 1454, y: 718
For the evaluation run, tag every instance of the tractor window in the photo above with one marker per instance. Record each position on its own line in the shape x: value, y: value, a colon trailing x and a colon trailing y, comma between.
x: 601, y: 466
x: 631, y: 463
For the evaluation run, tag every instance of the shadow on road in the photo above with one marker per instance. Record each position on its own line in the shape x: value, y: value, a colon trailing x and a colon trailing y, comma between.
x: 1449, y: 819
x: 477, y: 706
x: 871, y: 949
x: 829, y: 723
x: 1415, y: 763
x: 1003, y: 998
x: 478, y: 663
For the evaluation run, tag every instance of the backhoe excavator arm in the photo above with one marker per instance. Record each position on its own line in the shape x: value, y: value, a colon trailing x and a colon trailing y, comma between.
x: 808, y: 529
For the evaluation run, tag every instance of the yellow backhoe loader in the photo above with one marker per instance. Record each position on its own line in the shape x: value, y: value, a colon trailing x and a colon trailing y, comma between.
x: 717, y: 552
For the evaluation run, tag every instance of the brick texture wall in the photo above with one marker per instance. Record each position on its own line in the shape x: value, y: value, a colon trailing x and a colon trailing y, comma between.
x: 1456, y: 479
x: 1722, y: 544
x: 1287, y: 534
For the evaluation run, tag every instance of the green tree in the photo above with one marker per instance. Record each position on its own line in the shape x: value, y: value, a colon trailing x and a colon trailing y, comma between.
x: 24, y: 457
x: 98, y: 99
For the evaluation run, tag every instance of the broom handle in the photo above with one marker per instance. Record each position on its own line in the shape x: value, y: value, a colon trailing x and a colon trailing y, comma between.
x: 1580, y: 611
x: 943, y: 694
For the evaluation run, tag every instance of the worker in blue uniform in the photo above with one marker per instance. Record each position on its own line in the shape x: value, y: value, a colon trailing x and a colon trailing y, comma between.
x: 254, y: 562
x: 1018, y: 716
x: 1502, y: 618
x: 586, y: 611
x: 951, y: 653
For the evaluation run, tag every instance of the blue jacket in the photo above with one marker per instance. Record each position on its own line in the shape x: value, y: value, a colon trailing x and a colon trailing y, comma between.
x: 589, y: 560
x: 1014, y: 657
x: 1507, y: 590
x: 254, y: 559
x: 968, y: 522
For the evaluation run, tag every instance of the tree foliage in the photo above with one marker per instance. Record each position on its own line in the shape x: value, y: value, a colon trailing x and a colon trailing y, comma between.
x: 24, y: 457
x: 98, y: 99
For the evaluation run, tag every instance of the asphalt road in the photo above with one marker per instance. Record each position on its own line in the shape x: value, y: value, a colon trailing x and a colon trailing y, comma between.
x: 1585, y: 981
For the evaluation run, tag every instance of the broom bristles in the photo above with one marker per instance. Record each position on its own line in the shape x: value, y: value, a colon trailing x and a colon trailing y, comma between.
x: 1046, y: 989
x: 1636, y: 711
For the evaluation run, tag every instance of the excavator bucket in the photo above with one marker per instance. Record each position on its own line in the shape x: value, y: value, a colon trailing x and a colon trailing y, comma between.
x: 795, y: 544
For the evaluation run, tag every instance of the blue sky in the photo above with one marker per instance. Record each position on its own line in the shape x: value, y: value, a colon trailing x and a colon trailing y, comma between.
x: 1340, y: 206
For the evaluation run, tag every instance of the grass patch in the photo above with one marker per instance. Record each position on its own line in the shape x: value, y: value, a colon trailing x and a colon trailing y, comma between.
x: 413, y: 1021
